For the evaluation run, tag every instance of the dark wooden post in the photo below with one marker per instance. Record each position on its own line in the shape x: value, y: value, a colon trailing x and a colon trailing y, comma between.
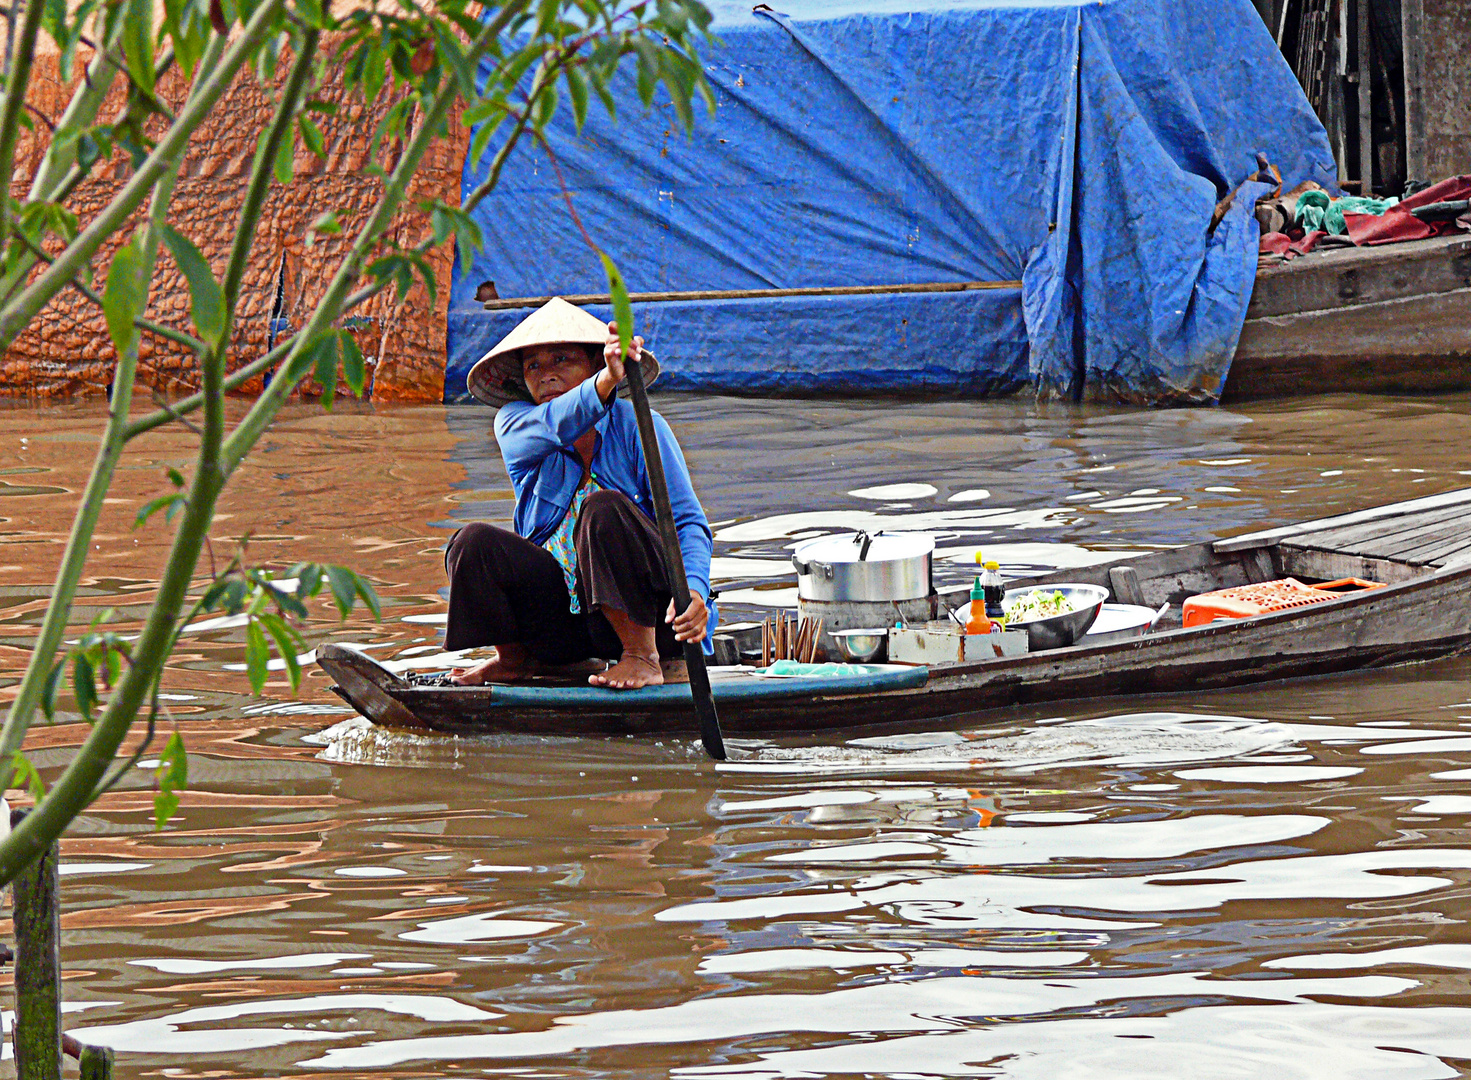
x: 37, y: 968
x: 96, y: 1063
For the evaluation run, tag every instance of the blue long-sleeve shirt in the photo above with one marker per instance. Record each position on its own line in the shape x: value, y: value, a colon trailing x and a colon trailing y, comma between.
x: 536, y: 442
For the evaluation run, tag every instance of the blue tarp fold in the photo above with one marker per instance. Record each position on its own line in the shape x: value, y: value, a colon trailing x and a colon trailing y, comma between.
x: 1069, y: 155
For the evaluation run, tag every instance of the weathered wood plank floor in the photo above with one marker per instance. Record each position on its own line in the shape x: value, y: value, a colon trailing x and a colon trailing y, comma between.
x: 1434, y: 531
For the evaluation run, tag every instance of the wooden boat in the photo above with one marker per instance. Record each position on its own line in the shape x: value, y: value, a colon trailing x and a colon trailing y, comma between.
x: 1420, y: 550
x: 1395, y: 319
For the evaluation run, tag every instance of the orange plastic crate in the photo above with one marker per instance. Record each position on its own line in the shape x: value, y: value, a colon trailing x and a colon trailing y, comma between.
x: 1246, y: 600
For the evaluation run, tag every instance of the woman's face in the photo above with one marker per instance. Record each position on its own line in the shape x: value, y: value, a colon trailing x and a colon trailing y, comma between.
x: 551, y: 370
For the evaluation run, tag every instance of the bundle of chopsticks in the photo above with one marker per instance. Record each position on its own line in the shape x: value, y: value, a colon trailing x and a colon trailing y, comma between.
x: 785, y: 638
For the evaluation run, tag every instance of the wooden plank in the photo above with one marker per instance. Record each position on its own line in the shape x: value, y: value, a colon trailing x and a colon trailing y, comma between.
x: 1412, y: 37
x: 1444, y: 549
x: 1316, y: 565
x: 755, y: 294
x: 1334, y: 279
x: 1123, y: 582
x: 1411, y: 548
x: 1386, y: 532
x: 1266, y: 537
x: 1442, y: 557
x: 1257, y: 565
x: 1364, y: 80
x: 1414, y: 344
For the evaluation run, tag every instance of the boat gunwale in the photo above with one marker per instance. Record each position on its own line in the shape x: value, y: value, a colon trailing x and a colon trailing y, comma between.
x: 950, y: 678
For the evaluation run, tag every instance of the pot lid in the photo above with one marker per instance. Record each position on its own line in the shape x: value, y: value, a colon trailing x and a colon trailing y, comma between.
x: 880, y: 547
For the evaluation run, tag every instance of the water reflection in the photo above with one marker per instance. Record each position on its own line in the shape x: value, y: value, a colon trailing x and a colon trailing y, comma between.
x: 1224, y: 884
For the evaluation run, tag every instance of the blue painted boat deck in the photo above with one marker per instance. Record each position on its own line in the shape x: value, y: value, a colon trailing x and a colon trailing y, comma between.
x: 732, y: 689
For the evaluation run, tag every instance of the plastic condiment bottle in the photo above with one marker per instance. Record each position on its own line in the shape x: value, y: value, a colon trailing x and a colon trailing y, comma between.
x: 978, y: 623
x: 994, y: 591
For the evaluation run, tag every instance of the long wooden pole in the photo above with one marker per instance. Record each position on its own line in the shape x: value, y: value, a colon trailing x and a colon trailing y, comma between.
x: 37, y: 968
x: 694, y: 651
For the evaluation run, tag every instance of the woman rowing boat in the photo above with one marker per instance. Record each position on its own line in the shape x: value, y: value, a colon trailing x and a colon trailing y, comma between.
x: 582, y: 576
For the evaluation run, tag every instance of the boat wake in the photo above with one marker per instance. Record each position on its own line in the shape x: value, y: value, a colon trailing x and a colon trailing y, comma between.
x: 1140, y: 739
x: 356, y: 741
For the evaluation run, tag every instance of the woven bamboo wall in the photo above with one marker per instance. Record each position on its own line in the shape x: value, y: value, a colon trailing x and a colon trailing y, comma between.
x: 67, y: 352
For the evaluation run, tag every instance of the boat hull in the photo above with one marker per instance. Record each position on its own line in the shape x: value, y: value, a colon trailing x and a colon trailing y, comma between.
x: 1423, y: 612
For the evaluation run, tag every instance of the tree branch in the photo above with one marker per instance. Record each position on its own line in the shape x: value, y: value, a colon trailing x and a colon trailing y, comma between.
x: 219, y: 71
x: 260, y: 179
x: 77, y: 786
x: 329, y: 308
x: 189, y: 341
x: 16, y: 86
x: 74, y: 558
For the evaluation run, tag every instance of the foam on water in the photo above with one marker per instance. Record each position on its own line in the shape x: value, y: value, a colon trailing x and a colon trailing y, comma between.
x: 1137, y: 739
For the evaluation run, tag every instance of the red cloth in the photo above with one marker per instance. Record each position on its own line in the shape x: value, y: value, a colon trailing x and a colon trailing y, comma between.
x: 1307, y: 243
x: 1283, y: 244
x: 1397, y: 224
x: 1274, y: 243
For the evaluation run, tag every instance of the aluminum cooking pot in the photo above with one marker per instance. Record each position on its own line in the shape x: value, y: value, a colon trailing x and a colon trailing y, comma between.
x: 882, y: 567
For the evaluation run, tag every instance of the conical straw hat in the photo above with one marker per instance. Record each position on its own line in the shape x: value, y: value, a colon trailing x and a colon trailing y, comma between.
x: 496, y: 377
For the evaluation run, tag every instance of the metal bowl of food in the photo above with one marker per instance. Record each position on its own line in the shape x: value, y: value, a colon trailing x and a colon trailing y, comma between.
x: 1054, y: 616
x: 862, y: 645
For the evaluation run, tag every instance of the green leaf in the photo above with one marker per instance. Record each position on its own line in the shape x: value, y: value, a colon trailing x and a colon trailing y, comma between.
x: 285, y: 155
x: 482, y: 110
x: 234, y: 596
x: 375, y: 71
x: 256, y: 656
x: 480, y: 141
x: 48, y: 691
x: 324, y: 363
x: 171, y: 775
x: 354, y: 370
x: 441, y: 223
x: 309, y: 579
x: 26, y: 776
x: 285, y: 646
x: 125, y: 295
x: 84, y: 685
x: 622, y: 308
x: 311, y: 135
x: 137, y: 41
x: 544, y: 107
x: 344, y: 586
x: 577, y: 91
x: 449, y: 49
x: 112, y: 665
x: 165, y: 805
x: 172, y: 502
x: 207, y: 300
x: 369, y: 596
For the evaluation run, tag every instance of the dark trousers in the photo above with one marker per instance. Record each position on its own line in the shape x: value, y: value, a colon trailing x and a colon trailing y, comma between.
x: 503, y: 588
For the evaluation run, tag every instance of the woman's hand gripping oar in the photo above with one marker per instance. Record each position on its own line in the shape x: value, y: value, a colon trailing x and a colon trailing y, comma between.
x: 694, y: 651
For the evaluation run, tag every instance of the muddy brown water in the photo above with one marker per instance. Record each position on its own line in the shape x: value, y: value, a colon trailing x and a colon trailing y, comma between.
x: 1263, y: 881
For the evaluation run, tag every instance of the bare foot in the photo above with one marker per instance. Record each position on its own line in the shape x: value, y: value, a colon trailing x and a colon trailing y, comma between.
x: 498, y: 669
x: 633, y: 671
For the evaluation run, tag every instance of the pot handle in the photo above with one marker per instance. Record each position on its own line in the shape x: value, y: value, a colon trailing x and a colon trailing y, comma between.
x: 821, y: 569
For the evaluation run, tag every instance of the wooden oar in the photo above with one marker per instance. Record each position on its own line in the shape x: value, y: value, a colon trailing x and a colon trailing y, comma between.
x: 694, y: 651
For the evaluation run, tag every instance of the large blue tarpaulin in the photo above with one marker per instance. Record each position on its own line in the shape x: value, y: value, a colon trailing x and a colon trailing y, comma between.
x: 1066, y: 157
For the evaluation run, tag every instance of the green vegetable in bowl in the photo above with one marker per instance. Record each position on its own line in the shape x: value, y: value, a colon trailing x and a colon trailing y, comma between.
x: 1037, y: 605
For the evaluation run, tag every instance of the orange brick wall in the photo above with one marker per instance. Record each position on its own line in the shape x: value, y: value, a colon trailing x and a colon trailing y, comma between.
x: 67, y: 351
